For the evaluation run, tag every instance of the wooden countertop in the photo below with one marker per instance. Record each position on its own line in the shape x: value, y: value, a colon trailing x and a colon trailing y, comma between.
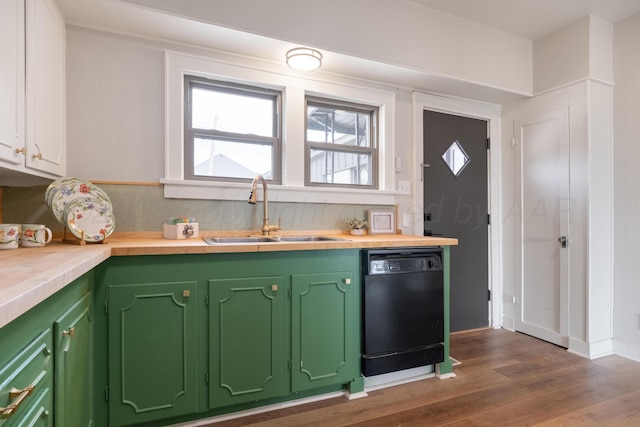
x: 28, y: 276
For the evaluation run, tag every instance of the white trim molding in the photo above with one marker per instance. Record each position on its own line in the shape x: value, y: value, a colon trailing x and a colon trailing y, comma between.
x: 294, y: 89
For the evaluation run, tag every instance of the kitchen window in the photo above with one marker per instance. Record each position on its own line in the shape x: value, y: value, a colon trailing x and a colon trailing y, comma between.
x: 232, y: 131
x: 340, y: 144
x: 289, y: 181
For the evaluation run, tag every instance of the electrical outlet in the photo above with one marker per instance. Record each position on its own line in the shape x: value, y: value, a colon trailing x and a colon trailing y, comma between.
x: 404, y: 187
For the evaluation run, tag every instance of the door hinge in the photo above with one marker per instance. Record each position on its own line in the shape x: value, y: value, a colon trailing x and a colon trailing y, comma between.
x: 106, y: 307
x: 488, y: 219
x: 515, y: 299
x: 289, y: 293
x: 489, y: 295
x: 289, y: 364
x: 488, y: 143
x: 106, y: 393
x: 206, y: 300
x: 206, y: 377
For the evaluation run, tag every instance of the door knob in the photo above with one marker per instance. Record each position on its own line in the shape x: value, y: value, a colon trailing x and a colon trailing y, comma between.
x: 563, y: 241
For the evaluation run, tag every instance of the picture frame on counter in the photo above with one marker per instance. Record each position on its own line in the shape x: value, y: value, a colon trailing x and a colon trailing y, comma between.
x: 382, y: 222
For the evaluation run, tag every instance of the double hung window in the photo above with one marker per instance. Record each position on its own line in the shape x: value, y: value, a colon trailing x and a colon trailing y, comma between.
x: 341, y: 144
x: 232, y: 132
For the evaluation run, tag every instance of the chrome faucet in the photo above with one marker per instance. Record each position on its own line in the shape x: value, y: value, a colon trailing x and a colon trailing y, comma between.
x: 266, y: 228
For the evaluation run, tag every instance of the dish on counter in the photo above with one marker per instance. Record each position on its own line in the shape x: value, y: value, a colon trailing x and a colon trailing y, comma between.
x: 89, y: 218
x: 83, y: 208
x: 65, y: 190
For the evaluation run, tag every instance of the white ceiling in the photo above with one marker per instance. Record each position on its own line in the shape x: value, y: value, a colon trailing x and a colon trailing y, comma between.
x: 532, y: 19
x: 527, y: 18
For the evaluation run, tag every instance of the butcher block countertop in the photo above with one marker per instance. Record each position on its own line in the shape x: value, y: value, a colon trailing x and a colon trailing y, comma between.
x: 28, y: 276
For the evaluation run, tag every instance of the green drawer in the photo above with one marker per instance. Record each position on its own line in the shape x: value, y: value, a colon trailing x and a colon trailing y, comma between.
x: 26, y: 380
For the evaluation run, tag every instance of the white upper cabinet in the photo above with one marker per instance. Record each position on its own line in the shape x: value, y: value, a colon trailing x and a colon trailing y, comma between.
x: 45, y: 47
x: 12, y: 86
x: 33, y: 130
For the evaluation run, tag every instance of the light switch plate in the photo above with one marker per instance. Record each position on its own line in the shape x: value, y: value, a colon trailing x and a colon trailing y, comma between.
x: 404, y: 187
x: 406, y: 220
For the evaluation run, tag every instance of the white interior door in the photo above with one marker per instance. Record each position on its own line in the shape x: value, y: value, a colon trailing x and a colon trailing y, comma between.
x: 542, y: 163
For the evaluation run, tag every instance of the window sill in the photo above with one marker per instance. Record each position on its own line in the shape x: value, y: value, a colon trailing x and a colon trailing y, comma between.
x: 177, y: 189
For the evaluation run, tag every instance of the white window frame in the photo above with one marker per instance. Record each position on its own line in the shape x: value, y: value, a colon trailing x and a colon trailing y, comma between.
x: 294, y: 89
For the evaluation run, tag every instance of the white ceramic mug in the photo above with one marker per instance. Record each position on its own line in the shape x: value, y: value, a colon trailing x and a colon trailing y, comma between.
x: 34, y: 235
x: 9, y: 236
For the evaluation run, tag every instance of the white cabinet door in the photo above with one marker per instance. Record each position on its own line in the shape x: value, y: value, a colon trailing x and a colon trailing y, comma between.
x: 542, y: 258
x: 12, y: 82
x: 45, y: 83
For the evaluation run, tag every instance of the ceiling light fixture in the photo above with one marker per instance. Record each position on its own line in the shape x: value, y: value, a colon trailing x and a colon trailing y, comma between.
x: 304, y: 59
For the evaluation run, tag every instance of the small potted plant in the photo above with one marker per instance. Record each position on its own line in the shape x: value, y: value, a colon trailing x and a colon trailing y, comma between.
x: 356, y: 226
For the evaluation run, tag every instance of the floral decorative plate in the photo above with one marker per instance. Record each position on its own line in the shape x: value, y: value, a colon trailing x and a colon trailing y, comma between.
x: 66, y: 190
x: 53, y: 188
x: 89, y: 218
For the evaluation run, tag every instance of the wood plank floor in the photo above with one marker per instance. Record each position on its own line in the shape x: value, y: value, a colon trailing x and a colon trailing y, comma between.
x: 505, y: 379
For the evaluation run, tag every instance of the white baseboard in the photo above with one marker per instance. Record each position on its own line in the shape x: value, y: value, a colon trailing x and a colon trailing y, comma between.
x: 592, y: 350
x: 628, y: 350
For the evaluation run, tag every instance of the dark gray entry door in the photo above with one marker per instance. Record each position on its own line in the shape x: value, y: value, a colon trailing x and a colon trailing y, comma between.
x: 456, y: 205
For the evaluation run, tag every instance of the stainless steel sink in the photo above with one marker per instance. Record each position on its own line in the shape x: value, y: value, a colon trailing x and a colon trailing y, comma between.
x: 267, y: 239
x: 308, y: 239
x: 227, y: 240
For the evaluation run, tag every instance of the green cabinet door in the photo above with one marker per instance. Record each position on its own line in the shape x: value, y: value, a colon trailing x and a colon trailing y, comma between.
x: 323, y: 342
x: 246, y: 339
x: 73, y: 368
x: 152, y: 329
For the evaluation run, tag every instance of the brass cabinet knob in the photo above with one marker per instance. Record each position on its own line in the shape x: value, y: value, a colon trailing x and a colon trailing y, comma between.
x: 71, y: 332
x: 37, y: 156
x: 22, y: 151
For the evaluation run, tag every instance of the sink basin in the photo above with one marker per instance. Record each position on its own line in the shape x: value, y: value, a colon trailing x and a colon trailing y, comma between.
x: 266, y: 239
x: 308, y: 239
x: 249, y: 239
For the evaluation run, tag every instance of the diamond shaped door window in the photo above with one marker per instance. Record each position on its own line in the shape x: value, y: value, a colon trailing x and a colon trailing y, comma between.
x: 455, y: 158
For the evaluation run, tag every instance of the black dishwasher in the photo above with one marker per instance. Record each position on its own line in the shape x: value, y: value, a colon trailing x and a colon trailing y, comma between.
x: 402, y: 309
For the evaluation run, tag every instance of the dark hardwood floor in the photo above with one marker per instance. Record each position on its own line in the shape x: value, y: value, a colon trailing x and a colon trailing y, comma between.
x: 505, y: 379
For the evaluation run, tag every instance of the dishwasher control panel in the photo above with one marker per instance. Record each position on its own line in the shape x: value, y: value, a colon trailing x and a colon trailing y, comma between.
x: 388, y: 262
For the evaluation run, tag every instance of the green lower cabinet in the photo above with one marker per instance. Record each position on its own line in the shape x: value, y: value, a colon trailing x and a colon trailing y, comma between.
x: 246, y: 339
x: 323, y: 344
x: 152, y: 356
x: 193, y: 336
x: 73, y: 365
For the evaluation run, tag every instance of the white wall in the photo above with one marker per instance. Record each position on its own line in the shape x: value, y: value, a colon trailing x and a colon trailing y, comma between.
x: 577, y: 51
x: 626, y: 314
x: 561, y: 57
x: 115, y: 108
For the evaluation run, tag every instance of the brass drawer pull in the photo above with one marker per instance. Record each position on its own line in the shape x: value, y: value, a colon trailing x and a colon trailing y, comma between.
x: 18, y: 396
x: 71, y: 332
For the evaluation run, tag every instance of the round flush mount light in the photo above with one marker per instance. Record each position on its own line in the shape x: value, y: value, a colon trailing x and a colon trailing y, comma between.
x: 304, y: 59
